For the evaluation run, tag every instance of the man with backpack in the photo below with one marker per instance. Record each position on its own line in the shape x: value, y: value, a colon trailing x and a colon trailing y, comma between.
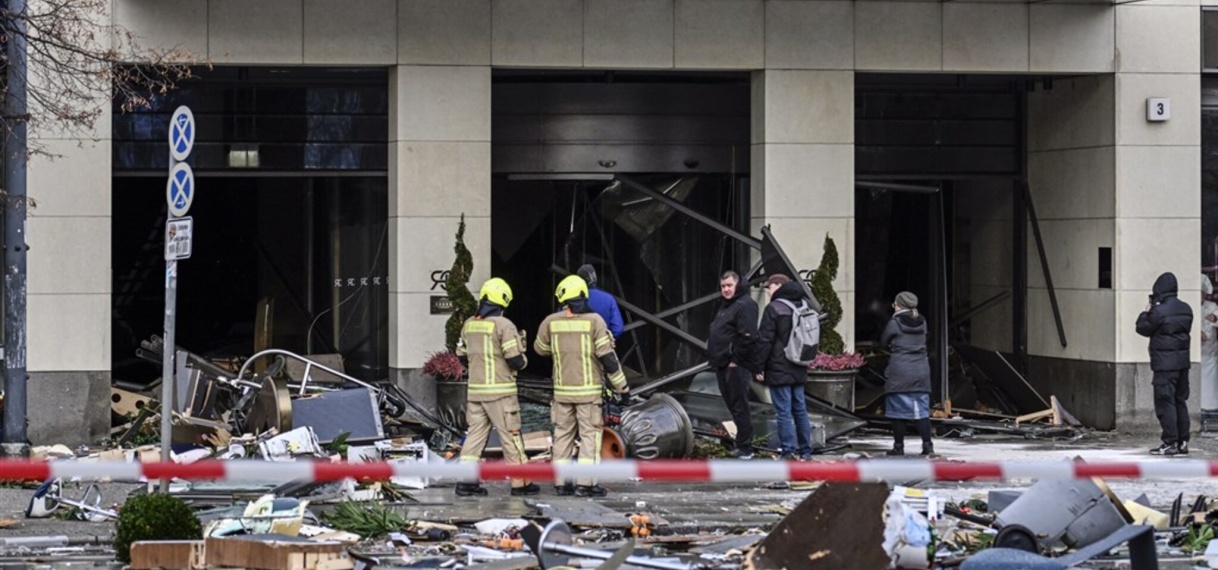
x: 787, y: 343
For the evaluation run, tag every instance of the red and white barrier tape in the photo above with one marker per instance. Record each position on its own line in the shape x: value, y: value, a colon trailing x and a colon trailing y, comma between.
x: 720, y: 471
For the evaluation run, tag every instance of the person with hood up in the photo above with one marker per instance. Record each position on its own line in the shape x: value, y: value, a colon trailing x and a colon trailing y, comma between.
x: 785, y: 379
x: 730, y: 351
x: 1209, y: 346
x: 601, y: 302
x: 907, y: 377
x: 1167, y: 321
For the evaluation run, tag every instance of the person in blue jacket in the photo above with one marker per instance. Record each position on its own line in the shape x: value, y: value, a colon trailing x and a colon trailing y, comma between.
x: 602, y: 303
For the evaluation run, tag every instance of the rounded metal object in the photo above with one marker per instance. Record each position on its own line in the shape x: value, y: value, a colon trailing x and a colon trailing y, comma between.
x: 450, y: 403
x: 557, y: 532
x: 833, y: 386
x: 612, y: 446
x: 1018, y: 537
x: 272, y: 408
x: 657, y: 429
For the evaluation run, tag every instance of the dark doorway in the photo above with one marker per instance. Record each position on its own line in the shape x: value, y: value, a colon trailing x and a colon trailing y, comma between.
x: 314, y: 246
x: 643, y: 251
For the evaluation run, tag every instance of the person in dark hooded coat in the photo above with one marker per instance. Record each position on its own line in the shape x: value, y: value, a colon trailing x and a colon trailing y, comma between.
x: 907, y: 377
x: 1168, y: 322
x: 785, y: 379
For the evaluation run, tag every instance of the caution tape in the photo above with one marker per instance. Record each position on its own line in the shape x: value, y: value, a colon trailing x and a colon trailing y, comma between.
x: 720, y: 471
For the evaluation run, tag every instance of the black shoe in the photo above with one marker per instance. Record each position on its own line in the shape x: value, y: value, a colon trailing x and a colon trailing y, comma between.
x: 470, y: 490
x: 896, y: 451
x: 1182, y: 449
x: 787, y: 457
x: 742, y: 454
x: 1166, y: 449
x: 928, y: 448
x: 590, y: 491
x: 530, y: 489
x: 565, y: 490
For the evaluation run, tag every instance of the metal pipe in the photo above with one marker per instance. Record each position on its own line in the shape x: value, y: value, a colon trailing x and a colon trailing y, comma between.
x: 15, y: 247
x: 986, y: 304
x: 1044, y: 264
x: 896, y: 187
x: 747, y: 278
x: 270, y: 351
x: 671, y: 378
x: 678, y: 206
x: 595, y: 554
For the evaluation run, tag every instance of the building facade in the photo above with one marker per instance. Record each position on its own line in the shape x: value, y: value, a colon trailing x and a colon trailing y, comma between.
x: 779, y: 108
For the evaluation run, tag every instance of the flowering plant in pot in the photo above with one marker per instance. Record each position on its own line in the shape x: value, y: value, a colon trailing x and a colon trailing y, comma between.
x: 444, y: 366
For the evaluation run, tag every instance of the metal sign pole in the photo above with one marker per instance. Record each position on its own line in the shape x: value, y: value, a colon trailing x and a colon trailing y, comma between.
x: 179, y: 194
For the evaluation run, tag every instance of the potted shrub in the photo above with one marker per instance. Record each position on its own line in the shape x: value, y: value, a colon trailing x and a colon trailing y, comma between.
x: 451, y: 387
x: 831, y: 374
x: 444, y: 366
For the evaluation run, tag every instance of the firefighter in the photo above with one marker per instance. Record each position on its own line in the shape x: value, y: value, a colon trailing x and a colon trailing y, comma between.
x: 582, y: 348
x: 493, y: 351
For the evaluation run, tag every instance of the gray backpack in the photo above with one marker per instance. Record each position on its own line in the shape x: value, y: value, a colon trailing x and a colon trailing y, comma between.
x: 802, y: 347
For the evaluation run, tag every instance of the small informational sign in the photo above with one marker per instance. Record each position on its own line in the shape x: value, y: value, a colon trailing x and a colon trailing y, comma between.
x: 178, y: 232
x: 1158, y: 109
x: 441, y: 305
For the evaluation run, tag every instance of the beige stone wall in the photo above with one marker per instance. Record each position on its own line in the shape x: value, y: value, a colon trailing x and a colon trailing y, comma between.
x: 439, y: 169
x: 1071, y: 176
x: 803, y: 170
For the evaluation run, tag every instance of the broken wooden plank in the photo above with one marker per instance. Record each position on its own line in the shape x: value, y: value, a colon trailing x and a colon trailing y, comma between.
x: 838, y: 526
x: 277, y: 552
x: 174, y: 554
x: 1028, y: 418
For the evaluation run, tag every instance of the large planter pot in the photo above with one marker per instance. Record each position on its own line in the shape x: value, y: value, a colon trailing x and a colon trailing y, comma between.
x: 833, y: 386
x: 450, y: 403
x: 657, y: 429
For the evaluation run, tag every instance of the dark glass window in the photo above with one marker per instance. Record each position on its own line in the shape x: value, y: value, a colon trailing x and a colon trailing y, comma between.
x: 1209, y: 40
x: 266, y: 119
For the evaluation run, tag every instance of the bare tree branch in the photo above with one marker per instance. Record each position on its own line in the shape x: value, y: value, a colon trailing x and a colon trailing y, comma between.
x: 80, y: 66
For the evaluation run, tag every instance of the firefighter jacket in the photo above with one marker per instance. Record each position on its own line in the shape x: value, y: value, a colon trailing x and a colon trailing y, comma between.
x: 489, y: 342
x: 577, y: 343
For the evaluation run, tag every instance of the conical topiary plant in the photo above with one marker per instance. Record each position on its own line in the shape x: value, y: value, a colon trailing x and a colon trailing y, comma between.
x: 822, y: 286
x: 464, y: 303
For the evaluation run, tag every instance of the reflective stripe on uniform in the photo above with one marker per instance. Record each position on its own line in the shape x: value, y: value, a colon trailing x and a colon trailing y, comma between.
x: 493, y: 388
x: 618, y: 379
x: 585, y: 357
x: 602, y: 342
x: 488, y: 358
x: 508, y: 345
x: 486, y: 327
x: 570, y: 326
x: 577, y: 390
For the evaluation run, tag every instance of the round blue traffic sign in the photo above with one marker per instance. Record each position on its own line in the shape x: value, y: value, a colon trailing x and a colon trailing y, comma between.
x: 181, y: 133
x: 180, y: 191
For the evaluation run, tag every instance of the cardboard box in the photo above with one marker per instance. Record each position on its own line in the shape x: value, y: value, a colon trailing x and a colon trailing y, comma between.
x: 169, y: 554
x: 276, y: 552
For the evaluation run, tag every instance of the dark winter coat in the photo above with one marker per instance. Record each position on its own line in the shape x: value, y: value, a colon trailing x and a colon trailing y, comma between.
x: 773, y: 336
x: 733, y: 333
x: 908, y: 366
x: 1168, y: 324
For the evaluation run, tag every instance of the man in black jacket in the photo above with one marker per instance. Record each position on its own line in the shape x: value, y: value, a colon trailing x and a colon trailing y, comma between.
x: 1168, y: 322
x: 730, y: 352
x: 785, y: 379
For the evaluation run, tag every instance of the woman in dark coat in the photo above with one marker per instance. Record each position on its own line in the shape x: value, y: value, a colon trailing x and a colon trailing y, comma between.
x: 907, y: 377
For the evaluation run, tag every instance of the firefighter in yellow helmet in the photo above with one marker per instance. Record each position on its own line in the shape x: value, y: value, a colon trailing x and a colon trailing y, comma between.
x: 493, y: 351
x: 582, y: 348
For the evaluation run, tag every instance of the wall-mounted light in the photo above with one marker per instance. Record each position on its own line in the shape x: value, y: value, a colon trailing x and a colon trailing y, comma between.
x: 243, y: 156
x: 607, y: 163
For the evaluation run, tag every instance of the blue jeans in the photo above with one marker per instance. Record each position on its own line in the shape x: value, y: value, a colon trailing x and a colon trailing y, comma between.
x: 793, y: 422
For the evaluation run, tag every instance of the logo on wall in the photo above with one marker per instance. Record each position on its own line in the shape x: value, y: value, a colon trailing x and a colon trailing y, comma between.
x: 438, y: 279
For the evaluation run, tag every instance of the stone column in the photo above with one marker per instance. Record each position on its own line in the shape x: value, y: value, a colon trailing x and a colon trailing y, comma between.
x: 440, y: 168
x: 803, y: 170
x: 1158, y: 184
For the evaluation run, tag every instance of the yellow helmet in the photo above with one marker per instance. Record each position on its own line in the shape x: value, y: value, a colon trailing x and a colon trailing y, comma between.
x: 496, y: 291
x: 573, y: 287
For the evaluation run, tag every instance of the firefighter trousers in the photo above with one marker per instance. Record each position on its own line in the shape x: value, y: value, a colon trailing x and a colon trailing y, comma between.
x: 504, y: 415
x: 585, y: 421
